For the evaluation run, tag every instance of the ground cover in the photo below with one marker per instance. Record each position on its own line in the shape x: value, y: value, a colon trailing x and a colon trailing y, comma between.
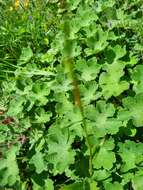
x: 71, y: 107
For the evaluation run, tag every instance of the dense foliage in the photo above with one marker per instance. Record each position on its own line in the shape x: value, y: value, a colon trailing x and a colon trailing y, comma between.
x: 71, y: 108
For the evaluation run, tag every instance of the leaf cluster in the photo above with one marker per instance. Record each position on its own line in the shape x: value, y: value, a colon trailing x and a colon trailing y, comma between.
x: 42, y: 139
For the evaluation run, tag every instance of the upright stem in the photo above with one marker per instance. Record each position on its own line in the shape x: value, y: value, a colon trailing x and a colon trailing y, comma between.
x: 68, y: 62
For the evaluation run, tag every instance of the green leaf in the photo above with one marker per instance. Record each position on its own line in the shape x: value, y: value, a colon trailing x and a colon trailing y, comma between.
x: 31, y: 70
x: 114, y: 71
x: 25, y: 56
x: 48, y: 185
x: 38, y: 162
x: 88, y: 69
x: 76, y: 185
x: 89, y: 92
x: 137, y: 79
x: 101, y: 174
x: 101, y: 5
x: 40, y: 91
x: 105, y: 157
x: 91, y: 30
x: 86, y: 14
x: 88, y: 185
x: 97, y: 42
x: 131, y: 154
x: 41, y: 116
x: 9, y: 172
x: 16, y: 106
x: 110, y: 13
x: 61, y: 83
x: 60, y: 153
x: 137, y: 181
x: 48, y: 57
x: 110, y: 81
x: 69, y: 116
x: 93, y: 185
x: 133, y: 109
x: 127, y: 177
x: 36, y: 140
x: 119, y: 51
x: 102, y: 119
x: 113, y: 186
x: 72, y: 4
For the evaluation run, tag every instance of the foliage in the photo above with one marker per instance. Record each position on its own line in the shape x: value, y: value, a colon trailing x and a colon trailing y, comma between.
x: 71, y: 108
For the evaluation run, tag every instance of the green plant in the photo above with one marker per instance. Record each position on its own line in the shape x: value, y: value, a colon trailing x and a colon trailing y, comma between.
x: 71, y: 107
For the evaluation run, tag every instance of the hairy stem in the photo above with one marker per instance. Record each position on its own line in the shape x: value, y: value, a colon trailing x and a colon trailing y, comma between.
x: 68, y: 63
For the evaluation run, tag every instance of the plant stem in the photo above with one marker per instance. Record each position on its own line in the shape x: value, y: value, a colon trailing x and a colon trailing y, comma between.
x: 68, y: 63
